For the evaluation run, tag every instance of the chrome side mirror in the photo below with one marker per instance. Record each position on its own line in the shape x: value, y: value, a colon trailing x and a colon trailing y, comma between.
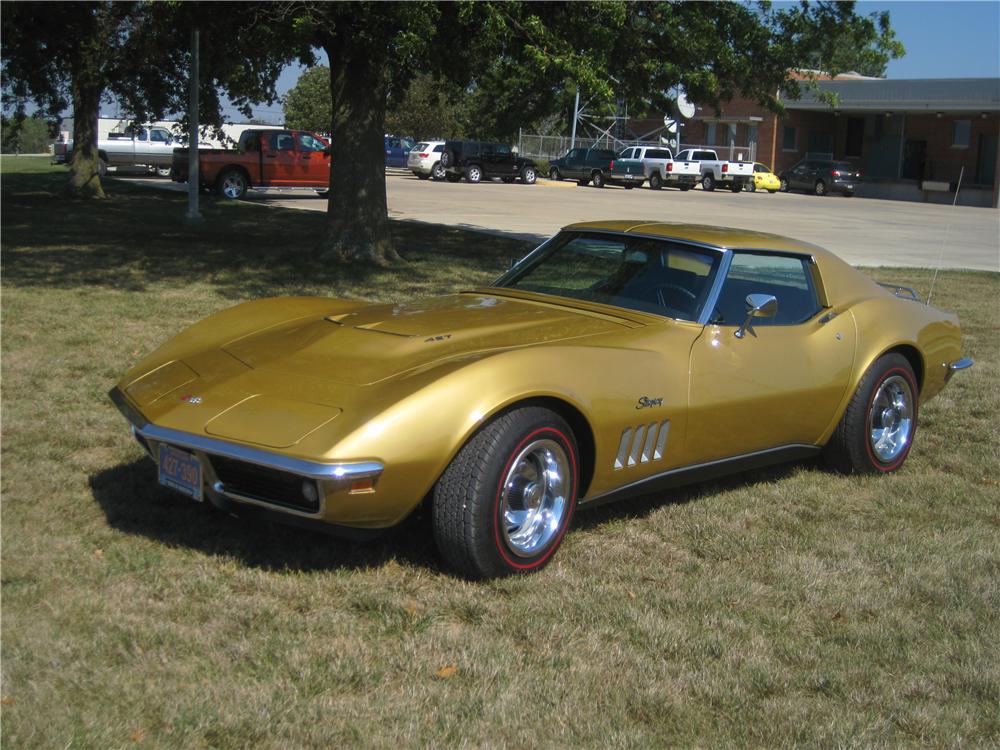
x: 758, y: 306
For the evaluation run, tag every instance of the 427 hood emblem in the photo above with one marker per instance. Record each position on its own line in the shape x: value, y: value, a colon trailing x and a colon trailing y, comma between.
x: 645, y: 402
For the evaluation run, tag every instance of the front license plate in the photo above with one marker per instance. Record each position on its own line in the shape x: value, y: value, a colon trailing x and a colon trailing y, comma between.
x: 181, y: 471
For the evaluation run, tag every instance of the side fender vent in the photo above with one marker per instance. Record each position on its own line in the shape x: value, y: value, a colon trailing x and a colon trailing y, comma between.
x: 642, y: 444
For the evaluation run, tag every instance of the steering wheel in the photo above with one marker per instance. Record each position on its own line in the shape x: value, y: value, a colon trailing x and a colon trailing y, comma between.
x: 661, y: 297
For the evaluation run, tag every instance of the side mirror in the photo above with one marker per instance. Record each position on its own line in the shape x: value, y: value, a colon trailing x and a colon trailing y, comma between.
x: 758, y: 306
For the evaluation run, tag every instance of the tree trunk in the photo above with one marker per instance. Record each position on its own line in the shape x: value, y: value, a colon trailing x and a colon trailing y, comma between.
x: 87, y: 87
x: 357, y: 228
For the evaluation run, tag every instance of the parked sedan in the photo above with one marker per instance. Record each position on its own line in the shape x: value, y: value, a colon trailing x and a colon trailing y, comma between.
x: 618, y: 358
x: 821, y: 176
x: 763, y: 179
x: 425, y: 160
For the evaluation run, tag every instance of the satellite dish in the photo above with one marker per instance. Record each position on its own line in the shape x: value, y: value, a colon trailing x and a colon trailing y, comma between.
x: 670, y: 124
x: 684, y: 107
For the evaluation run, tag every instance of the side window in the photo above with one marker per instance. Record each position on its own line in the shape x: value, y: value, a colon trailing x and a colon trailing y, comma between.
x: 786, y: 277
x: 439, y: 148
x: 626, y: 153
x: 159, y: 135
x: 279, y: 141
x: 142, y: 135
x: 310, y: 143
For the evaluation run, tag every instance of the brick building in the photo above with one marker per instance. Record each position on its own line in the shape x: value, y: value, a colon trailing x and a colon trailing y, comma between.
x: 910, y: 138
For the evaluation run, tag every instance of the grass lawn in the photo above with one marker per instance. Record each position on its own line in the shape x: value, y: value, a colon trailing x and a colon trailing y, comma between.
x: 782, y: 607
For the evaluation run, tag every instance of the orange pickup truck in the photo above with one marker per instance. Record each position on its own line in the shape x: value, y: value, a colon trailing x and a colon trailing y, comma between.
x: 262, y: 159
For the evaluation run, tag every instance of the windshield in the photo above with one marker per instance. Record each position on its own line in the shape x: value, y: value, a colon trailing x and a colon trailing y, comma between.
x: 640, y: 273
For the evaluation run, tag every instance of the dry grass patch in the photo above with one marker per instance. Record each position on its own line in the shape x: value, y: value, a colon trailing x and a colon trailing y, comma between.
x: 782, y: 607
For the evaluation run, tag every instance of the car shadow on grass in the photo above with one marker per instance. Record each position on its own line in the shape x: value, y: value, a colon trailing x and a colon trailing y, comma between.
x: 134, y: 503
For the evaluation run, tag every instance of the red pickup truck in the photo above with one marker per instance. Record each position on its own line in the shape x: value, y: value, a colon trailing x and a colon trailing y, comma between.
x: 263, y: 158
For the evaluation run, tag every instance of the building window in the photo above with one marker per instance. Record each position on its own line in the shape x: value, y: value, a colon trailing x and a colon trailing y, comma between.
x: 960, y: 134
x: 788, y: 140
x: 731, y: 134
x: 710, y: 134
x: 855, y: 136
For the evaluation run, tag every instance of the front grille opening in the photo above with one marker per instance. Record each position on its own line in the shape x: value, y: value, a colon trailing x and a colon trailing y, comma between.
x: 266, y: 485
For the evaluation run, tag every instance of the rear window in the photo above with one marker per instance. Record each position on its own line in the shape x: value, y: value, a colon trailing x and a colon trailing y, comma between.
x: 843, y: 166
x: 420, y: 146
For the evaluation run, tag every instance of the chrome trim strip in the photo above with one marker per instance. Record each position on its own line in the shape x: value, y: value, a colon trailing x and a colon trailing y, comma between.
x: 706, y: 465
x: 220, y: 489
x: 311, y: 469
x: 962, y: 364
x: 716, y: 290
x: 647, y: 449
x: 899, y: 290
x: 661, y: 441
x: 623, y: 448
x: 633, y: 457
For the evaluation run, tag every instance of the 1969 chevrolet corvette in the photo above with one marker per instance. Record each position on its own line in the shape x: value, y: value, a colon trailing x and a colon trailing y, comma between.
x: 618, y: 357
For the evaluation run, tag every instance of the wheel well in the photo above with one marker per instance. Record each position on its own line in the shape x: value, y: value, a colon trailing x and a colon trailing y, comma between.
x: 581, y: 431
x: 234, y: 168
x: 912, y: 355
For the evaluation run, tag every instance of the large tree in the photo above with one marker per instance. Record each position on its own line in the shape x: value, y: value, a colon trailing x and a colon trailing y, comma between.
x: 520, y: 60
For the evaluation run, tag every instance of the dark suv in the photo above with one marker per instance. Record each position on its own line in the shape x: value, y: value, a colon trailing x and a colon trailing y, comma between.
x: 583, y: 165
x: 821, y: 176
x: 482, y: 160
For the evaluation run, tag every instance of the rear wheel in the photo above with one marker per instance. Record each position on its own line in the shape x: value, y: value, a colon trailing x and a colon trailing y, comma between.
x: 474, y: 173
x: 876, y: 432
x: 232, y: 184
x: 736, y: 187
x: 655, y: 181
x: 708, y: 183
x: 751, y: 187
x: 504, y: 503
x: 820, y: 187
x: 598, y: 179
x: 437, y: 171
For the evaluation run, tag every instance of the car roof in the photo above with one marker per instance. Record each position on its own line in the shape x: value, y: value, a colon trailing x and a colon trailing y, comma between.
x: 721, y: 237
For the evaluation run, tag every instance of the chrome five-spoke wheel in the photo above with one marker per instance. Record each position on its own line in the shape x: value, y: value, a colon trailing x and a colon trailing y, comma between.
x: 534, y: 497
x: 891, y: 419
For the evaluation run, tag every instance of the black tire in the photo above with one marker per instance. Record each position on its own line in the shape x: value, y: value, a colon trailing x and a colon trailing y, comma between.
x: 582, y: 183
x: 437, y: 171
x: 820, y: 187
x: 232, y: 184
x: 784, y: 185
x: 708, y: 183
x: 472, y: 529
x: 447, y: 159
x: 852, y: 448
x: 598, y: 179
x: 529, y: 176
x: 474, y: 174
x: 736, y: 187
x: 655, y: 181
x: 554, y: 174
x: 751, y: 187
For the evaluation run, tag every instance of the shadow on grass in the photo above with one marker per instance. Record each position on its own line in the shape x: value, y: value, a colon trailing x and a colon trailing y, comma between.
x: 134, y: 503
x: 136, y: 238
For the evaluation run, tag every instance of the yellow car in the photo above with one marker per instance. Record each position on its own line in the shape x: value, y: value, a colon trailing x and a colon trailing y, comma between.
x: 618, y: 357
x: 763, y: 179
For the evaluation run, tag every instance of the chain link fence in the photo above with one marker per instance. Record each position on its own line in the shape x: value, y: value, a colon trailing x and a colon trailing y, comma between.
x: 548, y: 147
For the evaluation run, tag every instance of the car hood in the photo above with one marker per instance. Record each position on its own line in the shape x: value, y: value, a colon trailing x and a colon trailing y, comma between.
x: 376, y: 343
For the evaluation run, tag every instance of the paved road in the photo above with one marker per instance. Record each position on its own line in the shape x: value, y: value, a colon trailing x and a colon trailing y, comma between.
x: 862, y: 231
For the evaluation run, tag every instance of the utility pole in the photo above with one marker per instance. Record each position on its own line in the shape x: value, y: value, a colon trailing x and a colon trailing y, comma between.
x: 193, y: 215
x: 576, y: 114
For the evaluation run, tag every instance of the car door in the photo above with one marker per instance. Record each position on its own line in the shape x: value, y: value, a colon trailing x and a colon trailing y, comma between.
x: 801, y: 176
x: 575, y: 163
x: 313, y: 160
x: 779, y: 384
x: 278, y: 162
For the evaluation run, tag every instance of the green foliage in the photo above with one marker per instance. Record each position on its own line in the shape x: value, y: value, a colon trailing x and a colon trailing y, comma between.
x: 308, y: 105
x: 32, y: 135
x: 430, y: 108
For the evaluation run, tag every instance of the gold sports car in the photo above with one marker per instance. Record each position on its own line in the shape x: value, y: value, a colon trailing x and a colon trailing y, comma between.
x: 618, y: 357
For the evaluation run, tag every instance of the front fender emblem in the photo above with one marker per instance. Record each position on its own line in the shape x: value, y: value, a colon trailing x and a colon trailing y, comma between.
x: 194, y: 400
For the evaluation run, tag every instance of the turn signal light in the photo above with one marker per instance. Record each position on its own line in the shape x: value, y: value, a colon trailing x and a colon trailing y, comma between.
x: 363, y: 485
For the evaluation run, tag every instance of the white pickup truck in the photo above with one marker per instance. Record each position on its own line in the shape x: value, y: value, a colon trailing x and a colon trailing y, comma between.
x: 662, y: 168
x: 152, y: 148
x: 735, y: 174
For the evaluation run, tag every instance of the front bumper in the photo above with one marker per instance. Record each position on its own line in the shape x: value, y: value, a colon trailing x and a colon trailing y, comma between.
x: 253, y: 476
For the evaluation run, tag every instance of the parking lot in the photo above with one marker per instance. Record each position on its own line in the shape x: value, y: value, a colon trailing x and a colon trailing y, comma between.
x: 866, y: 232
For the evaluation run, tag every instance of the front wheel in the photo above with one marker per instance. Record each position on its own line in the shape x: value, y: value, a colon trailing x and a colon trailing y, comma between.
x: 876, y: 432
x: 529, y: 176
x: 474, y: 174
x: 504, y: 503
x: 598, y: 179
x: 820, y: 187
x: 783, y: 186
x: 232, y: 184
x: 554, y: 174
x: 708, y: 183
